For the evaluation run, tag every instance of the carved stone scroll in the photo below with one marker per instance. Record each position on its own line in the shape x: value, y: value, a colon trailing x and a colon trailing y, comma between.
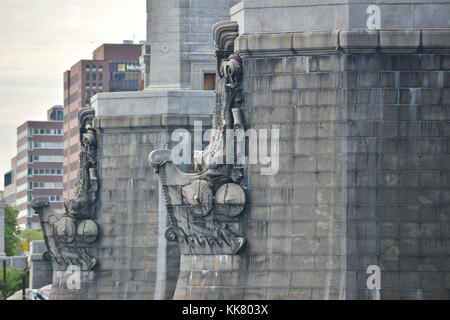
x: 69, y: 236
x: 205, y: 208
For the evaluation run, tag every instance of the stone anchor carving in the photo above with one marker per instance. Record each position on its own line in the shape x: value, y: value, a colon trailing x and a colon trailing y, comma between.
x: 204, y: 207
x: 69, y: 236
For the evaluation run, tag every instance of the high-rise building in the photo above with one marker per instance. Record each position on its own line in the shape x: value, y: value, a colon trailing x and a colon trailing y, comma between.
x: 9, y: 187
x: 114, y: 67
x: 37, y: 169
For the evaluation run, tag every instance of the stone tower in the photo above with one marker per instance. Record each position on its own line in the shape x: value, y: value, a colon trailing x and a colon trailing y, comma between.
x: 179, y: 33
x: 361, y: 96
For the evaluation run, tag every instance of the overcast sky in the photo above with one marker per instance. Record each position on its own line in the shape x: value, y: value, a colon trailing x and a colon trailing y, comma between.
x: 39, y: 40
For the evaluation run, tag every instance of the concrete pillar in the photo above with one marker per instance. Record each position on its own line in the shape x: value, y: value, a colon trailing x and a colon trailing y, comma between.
x: 41, y: 271
x: 179, y: 34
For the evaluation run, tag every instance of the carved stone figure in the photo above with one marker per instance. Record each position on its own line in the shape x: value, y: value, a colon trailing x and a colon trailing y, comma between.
x: 69, y: 236
x: 205, y: 208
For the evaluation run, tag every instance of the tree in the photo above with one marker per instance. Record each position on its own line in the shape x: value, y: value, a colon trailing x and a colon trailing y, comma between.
x: 14, y: 281
x: 31, y: 235
x: 12, y: 231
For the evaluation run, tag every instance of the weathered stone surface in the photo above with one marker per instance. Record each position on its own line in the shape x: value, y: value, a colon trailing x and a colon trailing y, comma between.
x: 41, y: 270
x: 319, y: 15
x: 351, y: 41
x: 135, y: 261
x: 364, y: 180
x: 154, y: 102
x: 391, y: 173
x: 179, y: 33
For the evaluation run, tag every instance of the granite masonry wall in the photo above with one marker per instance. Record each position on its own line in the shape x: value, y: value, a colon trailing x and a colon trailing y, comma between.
x: 365, y: 164
x: 398, y: 115
x: 364, y: 121
x: 41, y: 270
x: 179, y: 32
x: 134, y: 259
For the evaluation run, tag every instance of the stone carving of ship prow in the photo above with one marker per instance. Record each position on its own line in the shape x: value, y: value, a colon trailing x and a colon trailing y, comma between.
x: 205, y: 208
x: 69, y: 236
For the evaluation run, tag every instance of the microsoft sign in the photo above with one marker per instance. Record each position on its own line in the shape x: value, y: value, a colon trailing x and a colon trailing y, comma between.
x: 123, y: 67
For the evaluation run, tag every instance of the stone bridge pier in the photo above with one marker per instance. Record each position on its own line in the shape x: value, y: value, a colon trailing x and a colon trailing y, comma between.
x: 361, y: 96
x: 355, y: 101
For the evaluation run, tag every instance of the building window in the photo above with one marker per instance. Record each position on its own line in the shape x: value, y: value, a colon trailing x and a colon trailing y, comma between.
x: 30, y: 172
x: 57, y: 115
x: 8, y: 179
x: 209, y: 81
x: 88, y: 76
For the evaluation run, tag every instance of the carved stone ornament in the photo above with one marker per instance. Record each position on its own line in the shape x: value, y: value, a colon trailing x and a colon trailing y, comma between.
x: 205, y: 208
x: 68, y: 236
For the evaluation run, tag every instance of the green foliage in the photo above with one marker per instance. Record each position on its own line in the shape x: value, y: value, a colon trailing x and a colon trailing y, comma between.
x: 31, y: 235
x: 12, y: 232
x: 14, y: 281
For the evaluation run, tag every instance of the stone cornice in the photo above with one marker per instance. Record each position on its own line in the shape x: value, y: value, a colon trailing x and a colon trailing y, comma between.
x: 321, y: 42
x: 146, y: 122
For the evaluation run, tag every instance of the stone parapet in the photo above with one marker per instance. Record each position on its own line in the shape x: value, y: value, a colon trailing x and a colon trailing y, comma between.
x: 323, y: 42
x: 262, y: 16
x: 161, y: 120
x: 151, y: 102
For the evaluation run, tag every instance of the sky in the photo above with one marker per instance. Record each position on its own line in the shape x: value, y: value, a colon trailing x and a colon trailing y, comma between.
x: 39, y: 40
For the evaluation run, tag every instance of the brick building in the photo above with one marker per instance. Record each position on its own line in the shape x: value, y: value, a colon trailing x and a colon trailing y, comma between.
x: 114, y: 68
x: 37, y: 167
